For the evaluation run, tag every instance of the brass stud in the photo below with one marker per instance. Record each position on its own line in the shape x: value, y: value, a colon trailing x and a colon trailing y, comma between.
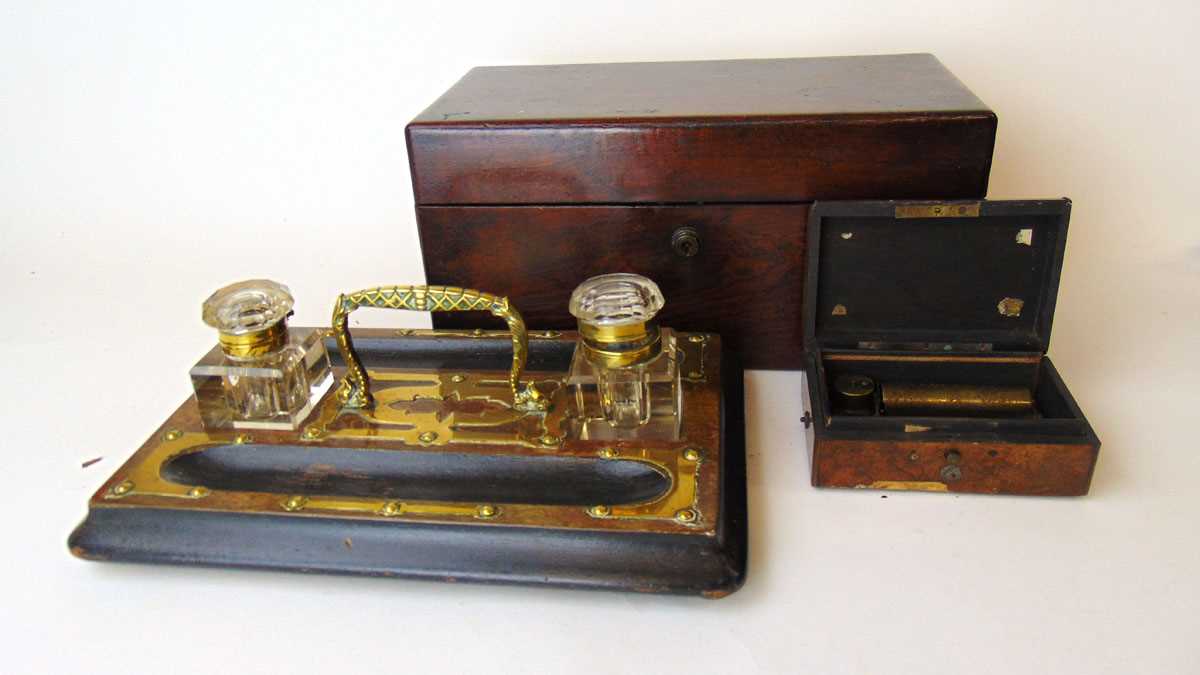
x: 198, y: 492
x: 404, y: 332
x: 457, y: 377
x: 122, y: 488
x: 427, y: 436
x: 312, y: 431
x: 391, y: 509
x: 486, y: 511
x: 685, y: 516
x: 549, y: 440
x: 478, y: 332
x: 609, y: 453
x: 695, y: 374
x: 697, y: 338
x: 173, y: 435
x: 294, y: 503
x: 242, y: 439
x: 600, y: 511
x: 691, y: 454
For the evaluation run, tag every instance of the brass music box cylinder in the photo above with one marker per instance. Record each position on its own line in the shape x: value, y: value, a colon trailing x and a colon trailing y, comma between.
x: 956, y: 400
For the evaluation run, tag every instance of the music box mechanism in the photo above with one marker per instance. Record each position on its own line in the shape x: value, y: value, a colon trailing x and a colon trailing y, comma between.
x: 610, y: 457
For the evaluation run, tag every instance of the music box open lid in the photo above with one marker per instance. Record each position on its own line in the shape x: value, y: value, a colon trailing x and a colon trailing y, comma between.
x: 957, y: 276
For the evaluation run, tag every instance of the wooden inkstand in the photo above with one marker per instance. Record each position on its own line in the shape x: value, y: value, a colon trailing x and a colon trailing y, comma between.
x: 926, y: 329
x: 611, y: 458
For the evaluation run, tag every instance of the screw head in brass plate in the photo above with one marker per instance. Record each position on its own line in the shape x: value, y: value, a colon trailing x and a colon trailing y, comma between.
x: 691, y: 454
x: 696, y: 337
x: 547, y: 334
x: 294, y: 503
x: 457, y: 377
x: 686, y: 515
x: 198, y: 492
x: 486, y: 511
x: 478, y: 332
x: 391, y: 509
x: 609, y: 453
x: 427, y: 436
x: 312, y: 431
x: 173, y: 434
x: 600, y: 511
x: 243, y: 439
x: 549, y: 440
x: 122, y: 488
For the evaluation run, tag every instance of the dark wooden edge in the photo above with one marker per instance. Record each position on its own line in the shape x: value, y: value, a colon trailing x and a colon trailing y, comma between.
x: 689, y: 121
x: 601, y: 560
x: 1051, y: 372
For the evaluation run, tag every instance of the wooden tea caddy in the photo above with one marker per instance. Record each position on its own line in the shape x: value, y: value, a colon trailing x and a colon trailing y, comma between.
x: 699, y: 174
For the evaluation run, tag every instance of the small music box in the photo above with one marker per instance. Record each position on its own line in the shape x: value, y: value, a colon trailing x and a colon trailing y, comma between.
x: 611, y: 458
x: 927, y: 326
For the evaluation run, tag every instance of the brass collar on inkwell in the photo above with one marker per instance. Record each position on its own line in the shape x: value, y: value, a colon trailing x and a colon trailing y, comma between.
x: 621, y: 346
x: 250, y: 317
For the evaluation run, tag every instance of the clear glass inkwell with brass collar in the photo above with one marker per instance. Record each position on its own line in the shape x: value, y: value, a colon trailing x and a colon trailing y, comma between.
x: 624, y: 372
x: 262, y: 374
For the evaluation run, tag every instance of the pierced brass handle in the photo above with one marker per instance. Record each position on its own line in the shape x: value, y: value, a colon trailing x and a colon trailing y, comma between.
x: 355, y: 391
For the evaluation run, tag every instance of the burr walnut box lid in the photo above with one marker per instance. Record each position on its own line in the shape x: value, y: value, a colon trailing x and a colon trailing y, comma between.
x: 964, y: 275
x: 755, y: 130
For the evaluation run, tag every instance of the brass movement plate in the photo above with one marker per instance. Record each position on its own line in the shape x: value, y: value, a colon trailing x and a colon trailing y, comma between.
x: 939, y: 210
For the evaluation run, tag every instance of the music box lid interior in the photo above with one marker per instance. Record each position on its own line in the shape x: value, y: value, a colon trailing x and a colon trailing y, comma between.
x: 934, y: 276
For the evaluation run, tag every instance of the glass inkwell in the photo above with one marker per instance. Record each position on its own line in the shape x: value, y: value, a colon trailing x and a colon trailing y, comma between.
x: 624, y: 373
x: 262, y: 374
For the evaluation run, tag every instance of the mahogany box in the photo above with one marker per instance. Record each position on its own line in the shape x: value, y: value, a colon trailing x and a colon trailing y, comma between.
x: 927, y: 325
x: 699, y: 175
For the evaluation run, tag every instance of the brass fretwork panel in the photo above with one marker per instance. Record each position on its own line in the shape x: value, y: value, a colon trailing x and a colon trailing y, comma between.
x: 461, y: 411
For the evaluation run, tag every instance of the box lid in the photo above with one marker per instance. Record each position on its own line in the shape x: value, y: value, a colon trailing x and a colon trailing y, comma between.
x: 953, y: 276
x: 896, y: 126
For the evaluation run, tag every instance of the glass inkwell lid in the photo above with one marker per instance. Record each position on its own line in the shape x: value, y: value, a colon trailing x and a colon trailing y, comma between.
x: 250, y: 317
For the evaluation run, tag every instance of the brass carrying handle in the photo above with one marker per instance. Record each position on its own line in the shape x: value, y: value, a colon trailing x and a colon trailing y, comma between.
x: 355, y: 391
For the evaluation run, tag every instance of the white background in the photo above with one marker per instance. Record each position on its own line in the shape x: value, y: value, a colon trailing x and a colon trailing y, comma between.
x: 152, y: 152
